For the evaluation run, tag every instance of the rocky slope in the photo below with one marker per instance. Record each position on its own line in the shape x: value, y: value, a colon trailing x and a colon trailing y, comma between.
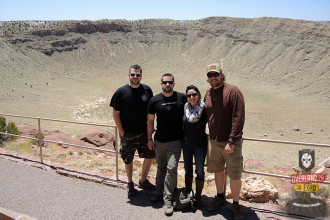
x: 275, y: 50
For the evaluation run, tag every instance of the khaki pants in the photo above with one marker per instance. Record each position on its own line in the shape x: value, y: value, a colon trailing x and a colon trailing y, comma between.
x: 167, y: 156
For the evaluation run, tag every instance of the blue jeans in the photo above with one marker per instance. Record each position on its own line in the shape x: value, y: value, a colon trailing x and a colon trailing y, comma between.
x: 199, y: 153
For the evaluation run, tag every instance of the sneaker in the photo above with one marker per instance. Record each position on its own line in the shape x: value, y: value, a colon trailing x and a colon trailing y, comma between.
x: 216, y: 203
x: 156, y: 198
x: 146, y: 185
x: 237, y: 211
x: 131, y: 191
x: 168, y: 209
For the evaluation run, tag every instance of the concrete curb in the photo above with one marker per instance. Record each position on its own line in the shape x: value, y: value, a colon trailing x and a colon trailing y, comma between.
x: 6, y: 214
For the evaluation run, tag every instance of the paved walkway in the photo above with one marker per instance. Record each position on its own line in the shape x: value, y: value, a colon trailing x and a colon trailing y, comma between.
x: 42, y: 194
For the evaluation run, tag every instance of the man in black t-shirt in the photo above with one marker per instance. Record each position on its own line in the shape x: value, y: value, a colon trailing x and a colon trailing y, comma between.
x: 130, y: 104
x: 168, y: 106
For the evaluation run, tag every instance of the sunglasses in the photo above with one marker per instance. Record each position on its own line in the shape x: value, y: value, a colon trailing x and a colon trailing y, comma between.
x: 191, y: 95
x: 210, y: 75
x: 135, y: 74
x: 169, y: 82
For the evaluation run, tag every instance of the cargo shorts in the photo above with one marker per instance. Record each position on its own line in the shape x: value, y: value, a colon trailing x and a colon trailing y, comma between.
x: 130, y: 143
x: 217, y: 159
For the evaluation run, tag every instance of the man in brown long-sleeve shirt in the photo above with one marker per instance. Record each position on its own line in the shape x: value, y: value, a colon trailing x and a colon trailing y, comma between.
x: 225, y: 110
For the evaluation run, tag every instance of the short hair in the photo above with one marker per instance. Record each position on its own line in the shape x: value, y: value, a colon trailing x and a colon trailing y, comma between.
x: 194, y: 88
x: 167, y: 74
x: 136, y: 67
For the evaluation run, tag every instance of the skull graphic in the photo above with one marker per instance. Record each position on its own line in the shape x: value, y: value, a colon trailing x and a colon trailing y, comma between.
x: 306, y: 160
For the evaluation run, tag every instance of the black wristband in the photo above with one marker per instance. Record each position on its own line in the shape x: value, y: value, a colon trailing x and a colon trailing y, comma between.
x: 231, y: 143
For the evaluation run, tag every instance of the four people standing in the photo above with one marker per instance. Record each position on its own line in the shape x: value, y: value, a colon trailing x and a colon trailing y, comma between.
x: 184, y: 123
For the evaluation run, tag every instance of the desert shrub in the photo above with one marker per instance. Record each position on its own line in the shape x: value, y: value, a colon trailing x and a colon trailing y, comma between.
x: 2, y: 127
x: 11, y: 128
x: 41, y: 136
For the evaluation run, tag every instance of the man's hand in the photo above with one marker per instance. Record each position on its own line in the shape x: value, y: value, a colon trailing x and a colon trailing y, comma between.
x: 151, y: 145
x: 229, y: 149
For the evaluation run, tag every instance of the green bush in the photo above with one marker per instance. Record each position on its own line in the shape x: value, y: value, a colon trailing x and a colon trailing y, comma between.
x: 39, y: 136
x: 2, y: 127
x: 11, y: 128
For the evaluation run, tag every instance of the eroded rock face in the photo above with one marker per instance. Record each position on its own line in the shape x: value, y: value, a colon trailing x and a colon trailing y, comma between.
x: 256, y: 189
x: 98, y: 138
x: 50, y: 37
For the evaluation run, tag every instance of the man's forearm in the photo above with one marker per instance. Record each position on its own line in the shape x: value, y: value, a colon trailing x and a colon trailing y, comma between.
x: 118, y: 123
x: 150, y: 126
x: 150, y: 129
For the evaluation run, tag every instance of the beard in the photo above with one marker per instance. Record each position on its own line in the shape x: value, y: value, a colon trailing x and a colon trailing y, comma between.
x: 135, y: 82
x: 167, y: 89
x: 216, y: 83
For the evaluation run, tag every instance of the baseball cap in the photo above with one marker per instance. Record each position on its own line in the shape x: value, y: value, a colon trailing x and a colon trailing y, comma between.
x: 214, y: 67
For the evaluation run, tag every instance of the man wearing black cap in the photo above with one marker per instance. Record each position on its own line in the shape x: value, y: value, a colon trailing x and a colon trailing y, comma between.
x: 225, y: 109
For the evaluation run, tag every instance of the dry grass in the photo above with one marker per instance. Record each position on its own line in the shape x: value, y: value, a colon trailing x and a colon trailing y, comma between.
x: 22, y: 146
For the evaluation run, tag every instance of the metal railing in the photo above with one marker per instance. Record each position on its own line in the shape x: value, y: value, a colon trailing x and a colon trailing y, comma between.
x: 40, y: 140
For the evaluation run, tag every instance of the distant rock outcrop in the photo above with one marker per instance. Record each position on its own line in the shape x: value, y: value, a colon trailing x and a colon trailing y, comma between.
x: 98, y: 138
x: 91, y: 138
x: 26, y: 129
x: 61, y: 137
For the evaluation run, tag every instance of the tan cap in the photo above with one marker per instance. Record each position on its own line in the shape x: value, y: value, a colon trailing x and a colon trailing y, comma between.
x: 214, y: 67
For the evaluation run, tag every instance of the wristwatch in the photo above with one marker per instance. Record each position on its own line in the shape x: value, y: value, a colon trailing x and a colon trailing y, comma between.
x: 231, y: 143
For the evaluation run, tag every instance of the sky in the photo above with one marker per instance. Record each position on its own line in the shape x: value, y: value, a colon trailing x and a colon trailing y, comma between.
x: 12, y: 10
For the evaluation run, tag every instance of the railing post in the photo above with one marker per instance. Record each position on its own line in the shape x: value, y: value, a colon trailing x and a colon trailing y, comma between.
x: 39, y: 140
x: 117, y: 148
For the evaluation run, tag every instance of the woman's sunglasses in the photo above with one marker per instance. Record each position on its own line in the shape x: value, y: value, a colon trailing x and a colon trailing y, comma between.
x: 191, y: 95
